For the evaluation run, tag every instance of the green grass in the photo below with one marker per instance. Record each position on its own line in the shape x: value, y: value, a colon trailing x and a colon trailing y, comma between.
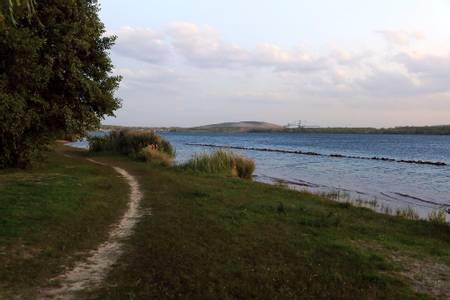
x: 49, y: 214
x: 217, y: 237
x: 209, y: 236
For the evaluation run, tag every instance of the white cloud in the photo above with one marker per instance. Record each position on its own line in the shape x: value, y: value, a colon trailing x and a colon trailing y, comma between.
x: 187, y: 62
x: 142, y: 44
x: 428, y: 65
x: 392, y: 83
x: 203, y: 47
x: 399, y: 37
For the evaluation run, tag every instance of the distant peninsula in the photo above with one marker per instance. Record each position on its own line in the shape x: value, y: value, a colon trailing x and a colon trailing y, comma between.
x: 256, y: 126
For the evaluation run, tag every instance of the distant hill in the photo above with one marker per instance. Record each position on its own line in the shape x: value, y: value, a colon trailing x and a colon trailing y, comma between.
x: 252, y: 126
x: 238, y: 126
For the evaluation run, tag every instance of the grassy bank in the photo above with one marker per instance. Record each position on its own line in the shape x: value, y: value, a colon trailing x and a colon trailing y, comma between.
x: 50, y: 215
x: 212, y: 236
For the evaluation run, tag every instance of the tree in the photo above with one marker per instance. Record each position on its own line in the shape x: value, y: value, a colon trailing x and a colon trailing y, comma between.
x: 55, y: 77
x: 12, y: 7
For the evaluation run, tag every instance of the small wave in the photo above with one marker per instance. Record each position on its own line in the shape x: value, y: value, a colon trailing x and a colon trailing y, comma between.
x: 311, y: 153
x: 422, y: 200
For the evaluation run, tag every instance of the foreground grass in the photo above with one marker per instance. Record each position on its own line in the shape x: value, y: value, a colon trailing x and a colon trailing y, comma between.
x: 214, y: 237
x: 49, y: 215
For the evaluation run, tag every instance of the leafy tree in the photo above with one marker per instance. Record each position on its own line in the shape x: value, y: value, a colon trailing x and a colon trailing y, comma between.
x: 55, y: 77
x: 13, y: 7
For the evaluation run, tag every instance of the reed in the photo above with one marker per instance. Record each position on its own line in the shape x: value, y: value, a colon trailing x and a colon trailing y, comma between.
x: 152, y: 155
x: 437, y: 217
x: 407, y: 213
x: 222, y: 162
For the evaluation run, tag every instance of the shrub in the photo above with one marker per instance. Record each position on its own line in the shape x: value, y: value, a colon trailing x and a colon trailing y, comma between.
x: 437, y: 217
x: 223, y: 162
x: 130, y: 142
x: 153, y: 155
x: 245, y: 167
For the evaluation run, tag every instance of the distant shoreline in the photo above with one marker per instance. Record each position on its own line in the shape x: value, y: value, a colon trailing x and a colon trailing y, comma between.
x: 406, y: 130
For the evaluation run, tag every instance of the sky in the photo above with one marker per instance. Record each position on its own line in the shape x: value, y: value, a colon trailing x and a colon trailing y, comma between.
x: 328, y: 63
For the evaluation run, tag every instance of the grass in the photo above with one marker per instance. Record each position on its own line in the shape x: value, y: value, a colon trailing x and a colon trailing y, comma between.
x: 437, y: 217
x: 222, y: 162
x: 407, y: 213
x: 49, y: 215
x: 212, y: 236
x: 209, y: 236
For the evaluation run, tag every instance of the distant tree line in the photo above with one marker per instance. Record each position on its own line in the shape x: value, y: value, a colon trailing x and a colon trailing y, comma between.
x: 432, y: 130
x: 55, y: 74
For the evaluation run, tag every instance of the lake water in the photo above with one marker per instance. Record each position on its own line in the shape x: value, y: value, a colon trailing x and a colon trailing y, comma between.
x: 392, y: 184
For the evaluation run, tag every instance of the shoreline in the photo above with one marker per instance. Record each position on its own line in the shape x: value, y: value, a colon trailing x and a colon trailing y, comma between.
x: 384, y: 203
x: 360, y: 199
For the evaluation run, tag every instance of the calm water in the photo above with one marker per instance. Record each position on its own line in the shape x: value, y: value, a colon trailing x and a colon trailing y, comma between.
x: 392, y: 184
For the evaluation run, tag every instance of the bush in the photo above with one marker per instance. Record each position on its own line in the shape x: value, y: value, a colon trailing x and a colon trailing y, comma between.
x: 437, y: 217
x: 245, y: 167
x: 222, y: 162
x: 153, y: 155
x: 130, y: 142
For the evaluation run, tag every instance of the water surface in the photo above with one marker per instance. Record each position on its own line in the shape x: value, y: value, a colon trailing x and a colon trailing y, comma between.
x: 391, y: 184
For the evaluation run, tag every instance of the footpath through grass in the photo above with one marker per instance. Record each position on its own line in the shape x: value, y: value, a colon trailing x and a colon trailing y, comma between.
x: 213, y: 237
x: 210, y: 237
x: 50, y: 214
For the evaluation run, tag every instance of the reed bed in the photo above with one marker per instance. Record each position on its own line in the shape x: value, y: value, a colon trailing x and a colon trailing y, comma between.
x: 222, y: 162
x: 153, y: 155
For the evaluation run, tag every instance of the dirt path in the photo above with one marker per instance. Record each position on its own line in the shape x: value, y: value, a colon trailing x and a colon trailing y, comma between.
x: 89, y: 273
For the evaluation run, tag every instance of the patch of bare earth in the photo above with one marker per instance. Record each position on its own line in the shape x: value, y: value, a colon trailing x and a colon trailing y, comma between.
x: 89, y: 273
x: 426, y: 276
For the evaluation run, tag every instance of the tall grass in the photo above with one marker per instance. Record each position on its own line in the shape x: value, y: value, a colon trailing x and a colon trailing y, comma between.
x: 437, y: 217
x: 130, y: 142
x: 153, y: 155
x: 222, y: 162
x: 407, y: 213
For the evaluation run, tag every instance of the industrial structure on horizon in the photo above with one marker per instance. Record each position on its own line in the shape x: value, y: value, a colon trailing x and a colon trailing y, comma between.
x: 299, y: 124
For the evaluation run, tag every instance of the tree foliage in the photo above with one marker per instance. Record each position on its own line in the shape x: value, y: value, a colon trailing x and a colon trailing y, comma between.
x: 11, y: 8
x: 55, y: 77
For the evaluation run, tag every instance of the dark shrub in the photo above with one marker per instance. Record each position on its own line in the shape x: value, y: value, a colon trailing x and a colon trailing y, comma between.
x: 130, y: 142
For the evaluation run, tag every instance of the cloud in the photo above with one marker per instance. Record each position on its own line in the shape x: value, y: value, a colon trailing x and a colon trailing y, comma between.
x: 186, y: 58
x: 433, y: 71
x: 203, y: 47
x: 296, y: 59
x: 142, y: 44
x: 401, y: 38
x: 391, y: 83
x: 428, y: 65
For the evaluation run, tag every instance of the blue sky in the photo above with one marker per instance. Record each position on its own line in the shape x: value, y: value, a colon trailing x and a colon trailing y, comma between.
x: 331, y: 63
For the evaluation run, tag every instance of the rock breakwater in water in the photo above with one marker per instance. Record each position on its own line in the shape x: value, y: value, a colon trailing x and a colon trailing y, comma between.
x: 310, y: 153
